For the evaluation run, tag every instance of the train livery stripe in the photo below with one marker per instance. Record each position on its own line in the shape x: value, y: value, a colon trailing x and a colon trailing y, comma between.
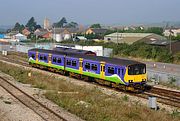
x: 114, y: 78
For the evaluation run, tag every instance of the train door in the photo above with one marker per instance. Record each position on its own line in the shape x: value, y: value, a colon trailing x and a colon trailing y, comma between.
x: 102, y: 72
x: 49, y: 59
x: 120, y: 72
x: 36, y: 56
x: 80, y: 65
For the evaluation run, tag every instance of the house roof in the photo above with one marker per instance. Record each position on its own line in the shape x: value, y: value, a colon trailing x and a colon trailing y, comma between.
x: 141, y: 35
x: 62, y: 30
x: 160, y: 42
x: 19, y: 35
x: 41, y: 33
x: 133, y: 37
x: 12, y: 33
x: 98, y: 30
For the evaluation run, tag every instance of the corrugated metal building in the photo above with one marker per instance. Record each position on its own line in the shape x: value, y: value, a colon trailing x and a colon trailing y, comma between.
x: 130, y: 38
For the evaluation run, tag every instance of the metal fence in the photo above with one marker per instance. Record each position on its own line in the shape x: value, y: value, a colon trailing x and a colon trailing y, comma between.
x: 7, y: 48
x: 158, y: 76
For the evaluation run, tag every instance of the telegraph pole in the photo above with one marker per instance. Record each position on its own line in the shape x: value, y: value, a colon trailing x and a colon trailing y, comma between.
x: 117, y: 34
x: 170, y: 37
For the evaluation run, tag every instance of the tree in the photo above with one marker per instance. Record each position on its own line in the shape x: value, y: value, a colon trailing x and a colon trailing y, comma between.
x: 38, y: 26
x: 18, y: 27
x: 61, y: 23
x: 156, y: 30
x: 31, y: 24
x: 72, y: 25
x: 176, y: 38
x: 95, y: 26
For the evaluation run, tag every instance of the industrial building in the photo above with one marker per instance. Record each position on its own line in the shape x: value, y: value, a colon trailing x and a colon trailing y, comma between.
x: 130, y: 38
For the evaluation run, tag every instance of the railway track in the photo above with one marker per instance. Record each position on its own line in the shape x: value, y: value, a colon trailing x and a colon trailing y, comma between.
x: 164, y: 96
x: 40, y: 109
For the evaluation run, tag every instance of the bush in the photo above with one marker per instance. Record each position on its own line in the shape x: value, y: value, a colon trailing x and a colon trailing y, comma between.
x: 177, y: 57
x: 137, y: 49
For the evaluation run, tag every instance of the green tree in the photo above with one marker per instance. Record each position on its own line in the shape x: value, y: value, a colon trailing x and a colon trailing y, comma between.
x: 18, y: 27
x: 71, y: 25
x: 156, y: 30
x: 61, y: 23
x: 176, y: 38
x: 95, y: 26
x: 31, y: 24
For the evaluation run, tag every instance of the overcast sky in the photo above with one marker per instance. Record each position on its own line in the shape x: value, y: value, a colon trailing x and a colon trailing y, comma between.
x: 90, y: 11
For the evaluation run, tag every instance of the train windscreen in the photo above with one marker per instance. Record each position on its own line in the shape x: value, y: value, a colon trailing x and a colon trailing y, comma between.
x: 137, y: 69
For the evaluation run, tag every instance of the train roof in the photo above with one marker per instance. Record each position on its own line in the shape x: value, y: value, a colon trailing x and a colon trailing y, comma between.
x: 70, y: 50
x: 116, y: 61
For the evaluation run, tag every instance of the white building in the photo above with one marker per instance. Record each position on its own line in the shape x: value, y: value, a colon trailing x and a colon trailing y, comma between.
x: 174, y: 32
x: 20, y: 37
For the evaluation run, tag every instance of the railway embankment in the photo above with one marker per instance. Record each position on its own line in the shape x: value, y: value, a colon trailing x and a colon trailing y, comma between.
x: 88, y: 101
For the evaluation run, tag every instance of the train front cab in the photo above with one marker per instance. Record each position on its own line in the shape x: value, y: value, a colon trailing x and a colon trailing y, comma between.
x: 136, y: 76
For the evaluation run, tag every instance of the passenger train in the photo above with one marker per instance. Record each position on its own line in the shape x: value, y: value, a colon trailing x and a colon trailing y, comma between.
x: 118, y: 73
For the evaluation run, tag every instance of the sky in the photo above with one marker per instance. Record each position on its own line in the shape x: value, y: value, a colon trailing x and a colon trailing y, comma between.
x: 90, y: 11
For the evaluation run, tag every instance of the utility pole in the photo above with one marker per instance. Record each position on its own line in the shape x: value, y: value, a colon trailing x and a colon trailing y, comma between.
x: 54, y: 39
x: 170, y: 37
x: 117, y: 34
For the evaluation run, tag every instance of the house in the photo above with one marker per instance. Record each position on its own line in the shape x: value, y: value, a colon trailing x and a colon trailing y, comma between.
x: 20, y: 37
x: 43, y: 33
x: 130, y: 38
x: 173, y: 31
x: 175, y: 45
x: 11, y: 34
x: 96, y: 31
x: 26, y: 32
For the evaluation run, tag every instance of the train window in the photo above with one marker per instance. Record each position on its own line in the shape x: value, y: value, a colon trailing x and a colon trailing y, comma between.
x: 136, y: 69
x: 119, y: 71
x: 110, y: 70
x: 41, y: 58
x: 68, y: 62
x: 87, y: 65
x: 94, y: 67
x: 54, y: 59
x: 73, y: 63
x: 45, y: 58
x: 59, y: 60
x: 122, y: 71
x: 32, y: 55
